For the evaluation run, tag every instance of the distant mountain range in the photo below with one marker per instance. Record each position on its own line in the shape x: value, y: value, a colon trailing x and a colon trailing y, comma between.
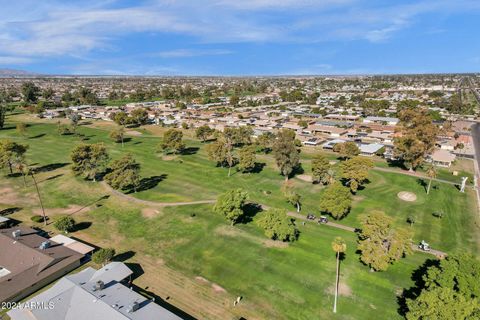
x: 16, y: 73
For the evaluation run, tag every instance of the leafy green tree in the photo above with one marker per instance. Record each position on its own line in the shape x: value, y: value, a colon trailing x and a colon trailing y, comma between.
x: 355, y: 171
x: 265, y: 142
x: 11, y: 153
x: 291, y: 195
x: 89, y: 160
x: 380, y: 244
x: 118, y: 135
x: 277, y: 225
x: 204, y: 132
x: 431, y: 174
x: 21, y: 129
x: 139, y: 116
x: 124, y: 173
x: 246, y: 159
x: 320, y: 167
x: 172, y: 141
x: 339, y: 246
x: 347, y: 149
x: 336, y: 200
x: 30, y: 92
x: 448, y: 290
x: 221, y: 151
x: 64, y: 224
x: 103, y: 256
x: 121, y: 118
x: 231, y: 205
x: 418, y: 136
x: 285, y: 152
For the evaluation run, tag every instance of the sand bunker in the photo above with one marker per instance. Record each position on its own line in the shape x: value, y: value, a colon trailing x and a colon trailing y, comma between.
x: 133, y: 133
x: 304, y: 177
x: 407, y: 196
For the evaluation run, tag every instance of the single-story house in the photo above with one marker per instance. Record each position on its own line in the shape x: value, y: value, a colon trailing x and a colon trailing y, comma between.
x: 330, y: 144
x: 94, y: 295
x: 442, y: 158
x: 387, y: 120
x: 29, y: 262
x: 369, y: 150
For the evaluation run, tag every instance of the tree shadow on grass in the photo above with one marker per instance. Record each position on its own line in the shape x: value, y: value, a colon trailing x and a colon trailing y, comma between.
x: 189, y: 151
x: 258, y: 167
x: 396, y: 164
x: 55, y: 176
x: 250, y: 211
x: 8, y: 211
x: 415, y: 290
x: 151, y: 182
x: 38, y: 136
x: 50, y: 167
x: 124, y: 256
x: 162, y: 302
x: 81, y: 226
x: 423, y: 184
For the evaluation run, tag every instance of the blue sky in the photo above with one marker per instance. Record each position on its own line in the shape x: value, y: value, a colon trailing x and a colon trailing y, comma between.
x: 240, y: 37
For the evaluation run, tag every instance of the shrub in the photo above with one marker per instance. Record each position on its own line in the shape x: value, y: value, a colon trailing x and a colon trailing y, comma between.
x: 64, y: 224
x: 103, y: 256
x: 36, y: 218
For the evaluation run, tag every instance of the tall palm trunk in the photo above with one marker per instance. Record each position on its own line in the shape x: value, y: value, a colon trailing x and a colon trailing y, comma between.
x: 336, y: 284
x: 429, y: 185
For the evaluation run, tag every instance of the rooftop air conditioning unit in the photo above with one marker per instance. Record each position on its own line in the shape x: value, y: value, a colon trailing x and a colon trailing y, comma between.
x: 99, y: 285
x: 133, y: 307
x: 16, y: 233
x: 44, y: 245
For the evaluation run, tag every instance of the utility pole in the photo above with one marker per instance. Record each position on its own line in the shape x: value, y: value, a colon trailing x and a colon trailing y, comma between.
x: 39, y: 197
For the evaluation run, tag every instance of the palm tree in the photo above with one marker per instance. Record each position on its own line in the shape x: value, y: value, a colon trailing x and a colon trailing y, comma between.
x: 432, y: 174
x: 339, y: 246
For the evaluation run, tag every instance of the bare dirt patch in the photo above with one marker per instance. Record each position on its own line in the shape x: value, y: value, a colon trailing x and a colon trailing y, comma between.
x: 217, y: 288
x: 275, y: 244
x: 169, y: 157
x: 133, y: 133
x: 305, y: 177
x: 407, y: 196
x: 343, y: 290
x: 150, y: 212
x: 10, y: 196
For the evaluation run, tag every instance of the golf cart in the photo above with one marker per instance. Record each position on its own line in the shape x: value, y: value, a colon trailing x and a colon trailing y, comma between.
x: 424, y: 246
x: 323, y: 219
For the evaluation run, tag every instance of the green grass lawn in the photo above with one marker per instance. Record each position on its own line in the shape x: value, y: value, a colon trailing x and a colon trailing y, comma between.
x: 290, y: 282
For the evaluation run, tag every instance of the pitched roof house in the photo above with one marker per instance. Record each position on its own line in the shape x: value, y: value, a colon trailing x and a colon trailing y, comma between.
x: 94, y: 295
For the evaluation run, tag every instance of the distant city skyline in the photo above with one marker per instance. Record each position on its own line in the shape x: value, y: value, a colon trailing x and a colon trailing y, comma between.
x: 249, y: 37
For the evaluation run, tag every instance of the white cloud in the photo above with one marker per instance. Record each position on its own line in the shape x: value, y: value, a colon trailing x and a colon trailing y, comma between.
x: 56, y: 28
x: 8, y: 60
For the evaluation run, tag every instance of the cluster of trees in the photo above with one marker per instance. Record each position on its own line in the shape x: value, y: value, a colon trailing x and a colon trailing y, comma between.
x: 92, y: 161
x: 275, y: 222
x: 222, y: 151
x: 418, y: 136
x: 172, y: 142
x: 137, y: 117
x: 448, y: 289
